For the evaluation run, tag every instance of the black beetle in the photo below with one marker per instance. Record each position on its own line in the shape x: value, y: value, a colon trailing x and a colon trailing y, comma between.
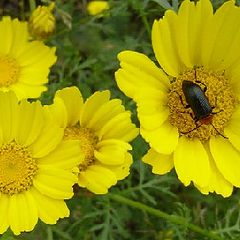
x: 197, y: 101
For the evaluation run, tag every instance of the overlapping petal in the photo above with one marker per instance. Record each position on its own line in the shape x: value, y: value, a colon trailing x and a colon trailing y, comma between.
x: 97, y: 179
x: 227, y: 159
x: 191, y: 162
x: 138, y: 72
x: 160, y: 163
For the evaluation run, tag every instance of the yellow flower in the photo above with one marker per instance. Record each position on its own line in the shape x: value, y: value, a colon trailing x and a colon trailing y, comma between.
x: 42, y: 22
x: 104, y: 129
x: 24, y: 65
x: 35, y: 166
x: 97, y: 7
x: 201, y: 48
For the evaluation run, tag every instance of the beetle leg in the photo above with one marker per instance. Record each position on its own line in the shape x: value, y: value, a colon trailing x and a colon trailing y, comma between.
x: 205, y: 87
x: 180, y: 97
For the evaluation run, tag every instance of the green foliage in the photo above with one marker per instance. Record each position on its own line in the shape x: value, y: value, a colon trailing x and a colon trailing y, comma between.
x: 87, y: 49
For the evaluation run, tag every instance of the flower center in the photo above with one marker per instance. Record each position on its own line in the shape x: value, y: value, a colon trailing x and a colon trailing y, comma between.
x: 17, y: 169
x: 214, y: 90
x: 9, y: 71
x: 88, y: 143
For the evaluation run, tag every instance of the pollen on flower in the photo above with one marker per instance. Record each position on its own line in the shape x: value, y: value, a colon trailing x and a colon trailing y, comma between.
x: 88, y: 143
x: 17, y: 168
x: 219, y: 95
x: 9, y: 71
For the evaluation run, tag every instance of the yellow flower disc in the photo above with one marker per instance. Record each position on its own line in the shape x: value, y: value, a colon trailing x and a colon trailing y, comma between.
x: 9, y: 71
x: 87, y: 141
x: 219, y: 94
x: 17, y: 169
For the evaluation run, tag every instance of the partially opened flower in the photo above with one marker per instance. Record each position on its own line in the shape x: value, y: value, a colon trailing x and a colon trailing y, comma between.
x: 42, y: 22
x: 35, y: 166
x: 104, y: 129
x: 24, y: 65
x: 189, y: 111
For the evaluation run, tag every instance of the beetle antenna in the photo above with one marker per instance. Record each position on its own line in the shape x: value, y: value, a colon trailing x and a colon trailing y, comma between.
x: 218, y: 131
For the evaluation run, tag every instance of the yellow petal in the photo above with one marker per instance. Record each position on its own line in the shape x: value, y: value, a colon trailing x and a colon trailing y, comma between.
x: 217, y: 182
x: 65, y: 156
x: 6, y: 31
x: 49, y: 209
x: 164, y: 43
x: 192, y: 162
x: 105, y: 113
x: 48, y: 140
x: 122, y: 171
x: 152, y: 108
x: 4, y: 206
x: 8, y: 108
x: 35, y: 53
x: 160, y: 163
x: 120, y: 127
x: 227, y: 159
x: 31, y: 120
x: 73, y: 101
x: 111, y: 152
x: 151, y: 100
x: 53, y: 182
x: 218, y: 54
x: 232, y: 130
x: 163, y: 139
x: 23, y: 90
x: 20, y: 36
x: 58, y: 112
x: 92, y: 104
x: 97, y: 179
x: 191, y: 23
x: 185, y: 25
x: 23, y: 214
x: 142, y: 72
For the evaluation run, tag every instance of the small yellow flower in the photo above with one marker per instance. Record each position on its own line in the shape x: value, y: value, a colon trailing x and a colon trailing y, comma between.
x: 24, y: 65
x: 104, y: 129
x: 97, y: 7
x: 42, y: 22
x: 201, y: 47
x: 35, y: 166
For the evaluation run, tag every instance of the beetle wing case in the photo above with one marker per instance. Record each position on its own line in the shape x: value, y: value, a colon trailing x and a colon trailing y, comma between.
x: 196, y: 99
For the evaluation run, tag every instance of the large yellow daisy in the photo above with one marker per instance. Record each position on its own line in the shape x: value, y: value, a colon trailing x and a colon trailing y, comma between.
x: 189, y: 110
x: 104, y: 129
x: 35, y: 166
x: 24, y: 64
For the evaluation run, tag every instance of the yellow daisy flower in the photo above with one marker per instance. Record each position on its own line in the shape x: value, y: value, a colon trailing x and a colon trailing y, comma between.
x: 42, y: 22
x: 35, y: 166
x: 104, y: 129
x: 24, y: 65
x: 189, y: 112
x: 97, y: 7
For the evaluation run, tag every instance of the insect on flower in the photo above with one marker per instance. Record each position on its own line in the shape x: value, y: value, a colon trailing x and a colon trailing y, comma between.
x: 199, y: 103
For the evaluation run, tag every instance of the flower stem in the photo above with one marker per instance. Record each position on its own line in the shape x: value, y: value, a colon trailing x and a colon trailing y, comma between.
x: 171, y: 218
x: 32, y: 4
